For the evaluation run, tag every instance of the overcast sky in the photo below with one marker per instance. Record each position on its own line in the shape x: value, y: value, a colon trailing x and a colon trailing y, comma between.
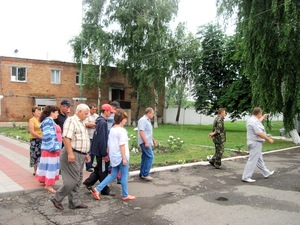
x: 41, y: 29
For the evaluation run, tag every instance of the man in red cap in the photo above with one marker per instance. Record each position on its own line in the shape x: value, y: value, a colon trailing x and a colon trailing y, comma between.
x: 99, y: 149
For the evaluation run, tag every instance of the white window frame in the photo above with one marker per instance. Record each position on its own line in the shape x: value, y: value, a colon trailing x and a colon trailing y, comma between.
x: 55, y: 76
x: 15, y: 78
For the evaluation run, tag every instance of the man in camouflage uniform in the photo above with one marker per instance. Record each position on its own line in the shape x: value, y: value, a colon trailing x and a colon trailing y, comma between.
x: 219, y: 137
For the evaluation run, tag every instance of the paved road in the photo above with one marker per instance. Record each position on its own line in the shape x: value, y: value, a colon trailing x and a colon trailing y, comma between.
x: 191, y: 196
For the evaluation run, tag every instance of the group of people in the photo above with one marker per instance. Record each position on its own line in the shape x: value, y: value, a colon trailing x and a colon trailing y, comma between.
x: 63, y: 144
x: 256, y: 136
x: 45, y: 130
x: 60, y: 144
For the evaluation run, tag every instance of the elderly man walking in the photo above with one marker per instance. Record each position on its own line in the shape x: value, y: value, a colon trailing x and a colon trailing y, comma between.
x: 256, y: 136
x: 72, y: 159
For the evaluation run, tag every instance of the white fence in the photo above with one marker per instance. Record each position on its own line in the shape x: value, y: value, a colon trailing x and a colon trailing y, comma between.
x: 190, y: 116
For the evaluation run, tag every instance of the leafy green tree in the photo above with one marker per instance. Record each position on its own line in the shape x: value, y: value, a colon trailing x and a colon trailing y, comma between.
x: 186, y: 49
x: 142, y: 41
x: 215, y: 74
x: 93, y: 44
x: 238, y: 96
x: 270, y: 39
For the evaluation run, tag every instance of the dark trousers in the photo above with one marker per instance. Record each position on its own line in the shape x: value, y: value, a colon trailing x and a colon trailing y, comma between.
x: 98, y: 174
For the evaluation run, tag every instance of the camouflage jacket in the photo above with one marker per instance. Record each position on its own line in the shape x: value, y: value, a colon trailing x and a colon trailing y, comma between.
x: 218, y: 127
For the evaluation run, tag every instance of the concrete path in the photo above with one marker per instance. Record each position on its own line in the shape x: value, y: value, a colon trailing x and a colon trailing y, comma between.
x: 189, y: 194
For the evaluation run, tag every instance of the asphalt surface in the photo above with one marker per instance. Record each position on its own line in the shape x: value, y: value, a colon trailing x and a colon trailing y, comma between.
x: 194, y: 195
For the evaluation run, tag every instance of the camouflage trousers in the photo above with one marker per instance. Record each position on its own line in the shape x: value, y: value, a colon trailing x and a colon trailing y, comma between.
x: 216, y: 159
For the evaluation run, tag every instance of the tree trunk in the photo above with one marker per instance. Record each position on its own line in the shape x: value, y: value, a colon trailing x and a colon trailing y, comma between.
x: 178, y: 114
x: 295, y: 136
x: 99, y: 88
x: 136, y: 115
x: 155, y: 108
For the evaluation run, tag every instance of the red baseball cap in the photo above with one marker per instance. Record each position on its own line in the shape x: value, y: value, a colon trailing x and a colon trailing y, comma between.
x: 108, y: 107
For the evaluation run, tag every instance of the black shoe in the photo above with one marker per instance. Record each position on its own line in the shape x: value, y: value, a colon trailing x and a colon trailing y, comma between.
x: 109, y: 193
x: 211, y: 163
x: 81, y: 206
x: 56, y: 204
x: 219, y: 167
x: 90, y: 170
x: 90, y: 188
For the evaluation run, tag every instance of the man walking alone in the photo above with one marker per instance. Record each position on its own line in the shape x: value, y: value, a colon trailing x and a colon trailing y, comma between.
x: 219, y: 137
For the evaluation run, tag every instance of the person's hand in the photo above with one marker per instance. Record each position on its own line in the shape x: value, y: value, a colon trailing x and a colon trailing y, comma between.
x: 106, y: 158
x: 87, y: 158
x: 124, y: 162
x: 71, y: 158
x: 270, y: 140
x: 211, y: 134
x: 155, y: 143
x: 265, y: 116
x: 147, y: 145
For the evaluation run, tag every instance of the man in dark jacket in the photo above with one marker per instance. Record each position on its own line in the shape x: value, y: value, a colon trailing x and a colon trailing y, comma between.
x: 99, y: 149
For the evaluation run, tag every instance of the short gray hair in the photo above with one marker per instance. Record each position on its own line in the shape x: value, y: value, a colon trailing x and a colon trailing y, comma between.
x: 82, y: 107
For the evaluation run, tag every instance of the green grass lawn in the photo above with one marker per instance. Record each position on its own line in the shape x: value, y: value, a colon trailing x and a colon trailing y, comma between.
x: 197, y: 146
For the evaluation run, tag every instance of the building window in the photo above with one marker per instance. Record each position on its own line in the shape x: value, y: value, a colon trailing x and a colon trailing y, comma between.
x: 117, y: 94
x: 18, y: 74
x: 78, y: 78
x: 55, y: 76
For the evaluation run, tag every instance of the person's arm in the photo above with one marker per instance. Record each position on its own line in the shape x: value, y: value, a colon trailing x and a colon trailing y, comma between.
x: 154, y: 142
x: 90, y: 125
x: 266, y: 137
x: 32, y: 131
x: 263, y: 117
x: 217, y: 129
x: 68, y: 146
x: 144, y: 139
x: 123, y: 154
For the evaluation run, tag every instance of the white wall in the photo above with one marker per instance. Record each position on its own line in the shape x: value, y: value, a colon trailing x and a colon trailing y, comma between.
x: 189, y: 116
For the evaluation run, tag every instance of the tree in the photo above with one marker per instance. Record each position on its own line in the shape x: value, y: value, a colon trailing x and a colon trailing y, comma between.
x: 93, y: 44
x: 238, y: 96
x: 270, y: 39
x: 214, y: 73
x: 186, y: 49
x: 142, y: 41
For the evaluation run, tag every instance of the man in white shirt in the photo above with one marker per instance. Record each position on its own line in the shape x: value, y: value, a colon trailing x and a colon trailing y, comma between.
x: 256, y: 136
x: 90, y: 125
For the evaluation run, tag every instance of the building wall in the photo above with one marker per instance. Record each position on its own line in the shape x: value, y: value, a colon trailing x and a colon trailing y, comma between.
x: 17, y: 98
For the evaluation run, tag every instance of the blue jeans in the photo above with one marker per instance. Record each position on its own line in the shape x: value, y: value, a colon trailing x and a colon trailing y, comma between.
x: 114, y: 174
x: 147, y: 160
x: 89, y: 165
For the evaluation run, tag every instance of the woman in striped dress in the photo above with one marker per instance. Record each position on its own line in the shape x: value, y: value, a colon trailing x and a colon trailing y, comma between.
x: 48, y: 169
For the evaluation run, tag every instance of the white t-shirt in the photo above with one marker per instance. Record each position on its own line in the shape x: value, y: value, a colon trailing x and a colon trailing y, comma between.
x: 91, y: 119
x: 117, y: 136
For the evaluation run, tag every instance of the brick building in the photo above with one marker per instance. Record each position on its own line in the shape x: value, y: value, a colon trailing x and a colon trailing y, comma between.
x: 28, y: 82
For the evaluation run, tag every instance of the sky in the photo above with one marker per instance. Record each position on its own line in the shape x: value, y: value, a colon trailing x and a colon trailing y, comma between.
x: 41, y: 29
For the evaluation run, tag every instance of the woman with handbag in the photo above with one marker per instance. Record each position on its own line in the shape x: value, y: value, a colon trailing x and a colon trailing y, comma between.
x: 48, y: 169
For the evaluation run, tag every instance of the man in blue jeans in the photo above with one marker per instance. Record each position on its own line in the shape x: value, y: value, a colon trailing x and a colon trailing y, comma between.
x: 146, y: 141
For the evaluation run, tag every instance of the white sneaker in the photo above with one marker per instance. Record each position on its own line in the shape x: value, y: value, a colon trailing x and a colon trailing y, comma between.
x: 248, y: 180
x: 148, y: 178
x: 271, y: 173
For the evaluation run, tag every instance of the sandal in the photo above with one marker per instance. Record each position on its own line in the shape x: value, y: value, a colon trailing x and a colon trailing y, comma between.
x: 95, y: 193
x: 129, y: 197
x: 50, y: 190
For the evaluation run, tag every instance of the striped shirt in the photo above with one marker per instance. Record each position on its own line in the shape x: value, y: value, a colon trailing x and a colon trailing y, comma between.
x: 75, y: 129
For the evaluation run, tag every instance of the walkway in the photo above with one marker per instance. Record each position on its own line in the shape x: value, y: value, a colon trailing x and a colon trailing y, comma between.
x: 15, y: 173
